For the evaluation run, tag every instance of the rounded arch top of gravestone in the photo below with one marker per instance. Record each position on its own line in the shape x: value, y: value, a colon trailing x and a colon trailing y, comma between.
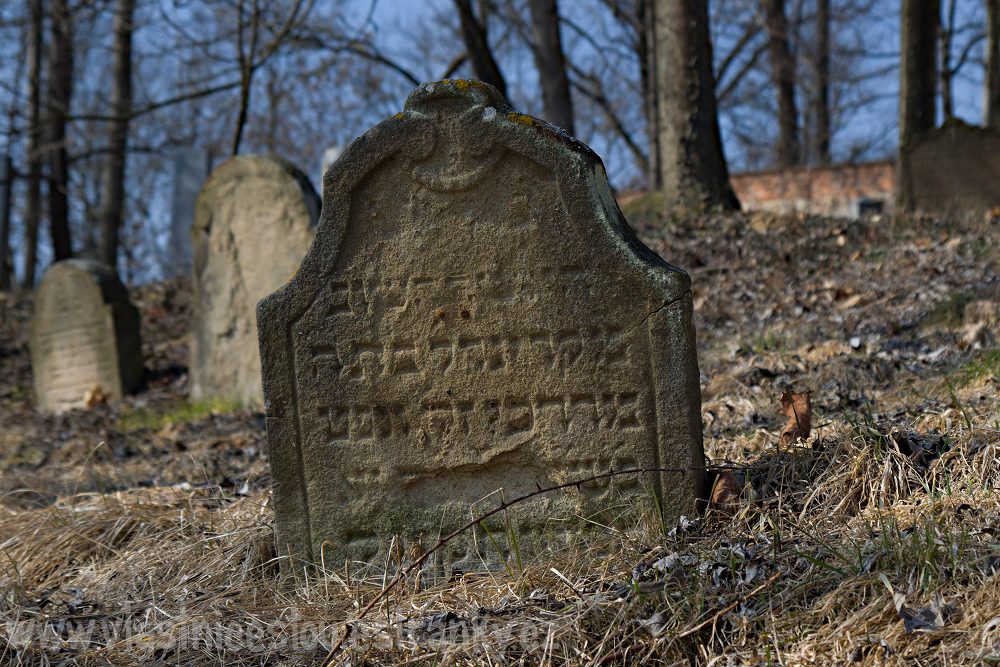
x: 254, y: 220
x: 475, y: 319
x: 85, y: 340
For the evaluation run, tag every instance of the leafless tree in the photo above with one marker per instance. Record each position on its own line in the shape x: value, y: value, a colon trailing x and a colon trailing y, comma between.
x: 250, y: 23
x: 991, y: 82
x: 33, y: 197
x: 961, y: 33
x: 7, y: 176
x: 646, y: 55
x: 918, y: 65
x: 551, y: 63
x: 692, y: 167
x: 6, y: 192
x: 917, y: 76
x: 113, y: 178
x: 946, y: 30
x: 60, y: 94
x: 477, y: 46
x: 783, y: 77
x: 821, y: 101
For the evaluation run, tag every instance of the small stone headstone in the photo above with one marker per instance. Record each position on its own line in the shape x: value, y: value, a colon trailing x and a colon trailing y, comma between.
x: 474, y: 321
x: 190, y: 172
x: 84, y: 337
x: 254, y: 221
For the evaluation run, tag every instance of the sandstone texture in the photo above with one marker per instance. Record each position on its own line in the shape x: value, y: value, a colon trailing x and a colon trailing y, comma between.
x: 254, y: 221
x: 475, y: 320
x: 85, y: 342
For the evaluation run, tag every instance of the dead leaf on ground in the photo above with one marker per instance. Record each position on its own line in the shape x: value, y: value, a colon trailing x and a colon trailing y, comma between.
x: 798, y: 408
x: 726, y: 493
x: 95, y: 396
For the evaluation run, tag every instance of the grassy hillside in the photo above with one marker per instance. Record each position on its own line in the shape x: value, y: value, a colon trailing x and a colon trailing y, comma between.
x: 141, y: 531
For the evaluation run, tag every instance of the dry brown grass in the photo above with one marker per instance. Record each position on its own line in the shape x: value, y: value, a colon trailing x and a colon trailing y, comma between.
x: 890, y: 510
x: 189, y: 576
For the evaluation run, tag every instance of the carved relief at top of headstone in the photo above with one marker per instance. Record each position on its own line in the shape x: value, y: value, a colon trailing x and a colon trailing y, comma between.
x: 255, y: 219
x: 84, y: 336
x: 474, y: 319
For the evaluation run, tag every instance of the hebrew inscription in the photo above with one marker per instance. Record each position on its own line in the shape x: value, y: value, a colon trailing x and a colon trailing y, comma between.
x: 473, y: 319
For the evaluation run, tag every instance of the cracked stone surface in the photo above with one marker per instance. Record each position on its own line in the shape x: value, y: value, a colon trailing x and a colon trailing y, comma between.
x: 474, y: 321
x: 254, y: 221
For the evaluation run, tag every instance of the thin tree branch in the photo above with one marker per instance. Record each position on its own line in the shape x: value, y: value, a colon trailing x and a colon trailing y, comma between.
x: 596, y: 94
x: 734, y: 82
x: 455, y: 63
x: 750, y: 31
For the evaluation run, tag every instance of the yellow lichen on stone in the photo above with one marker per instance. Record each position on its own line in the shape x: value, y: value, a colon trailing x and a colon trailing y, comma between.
x: 462, y: 84
x: 399, y: 116
x: 522, y: 118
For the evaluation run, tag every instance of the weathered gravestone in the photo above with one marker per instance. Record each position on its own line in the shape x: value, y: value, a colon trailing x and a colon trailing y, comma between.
x: 474, y: 315
x: 954, y: 168
x: 84, y: 336
x: 254, y: 221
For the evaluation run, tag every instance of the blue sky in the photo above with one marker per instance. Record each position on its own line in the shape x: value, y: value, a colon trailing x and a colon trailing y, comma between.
x: 871, y: 126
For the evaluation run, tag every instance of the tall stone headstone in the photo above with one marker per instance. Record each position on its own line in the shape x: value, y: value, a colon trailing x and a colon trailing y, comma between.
x: 84, y: 336
x: 190, y: 171
x: 475, y: 320
x: 254, y: 221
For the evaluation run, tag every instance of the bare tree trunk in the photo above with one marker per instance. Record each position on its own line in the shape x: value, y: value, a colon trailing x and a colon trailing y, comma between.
x: 822, y: 103
x: 7, y: 175
x: 991, y: 81
x: 33, y: 203
x: 484, y: 65
x: 646, y: 52
x: 692, y: 166
x: 247, y: 68
x: 783, y: 76
x: 60, y: 86
x: 113, y: 177
x: 6, y: 185
x: 947, y: 32
x: 551, y: 63
x: 917, y: 77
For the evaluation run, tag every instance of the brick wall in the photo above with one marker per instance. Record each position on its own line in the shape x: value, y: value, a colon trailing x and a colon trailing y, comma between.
x: 839, y: 190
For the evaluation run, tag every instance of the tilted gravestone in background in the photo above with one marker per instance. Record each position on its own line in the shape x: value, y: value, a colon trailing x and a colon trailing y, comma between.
x: 84, y: 336
x: 254, y: 221
x: 474, y: 315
